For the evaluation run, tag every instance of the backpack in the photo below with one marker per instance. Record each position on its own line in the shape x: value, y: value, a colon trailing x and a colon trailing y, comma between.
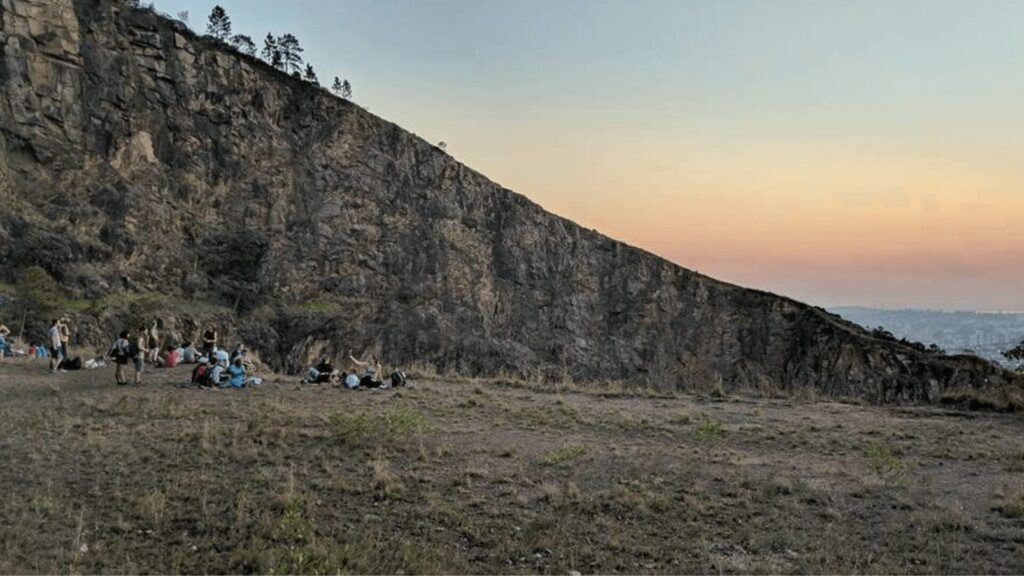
x: 133, y: 347
x: 397, y: 379
x: 119, y: 351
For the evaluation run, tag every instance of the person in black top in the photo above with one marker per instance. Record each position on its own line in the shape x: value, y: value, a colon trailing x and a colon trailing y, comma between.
x: 326, y: 371
x: 209, y: 339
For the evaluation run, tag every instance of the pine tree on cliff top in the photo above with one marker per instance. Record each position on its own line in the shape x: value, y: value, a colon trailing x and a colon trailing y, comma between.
x: 219, y: 25
x: 310, y: 75
x: 291, y: 61
x: 271, y: 51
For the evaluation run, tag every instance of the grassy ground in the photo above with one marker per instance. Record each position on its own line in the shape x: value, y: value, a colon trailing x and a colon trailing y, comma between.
x: 485, y: 477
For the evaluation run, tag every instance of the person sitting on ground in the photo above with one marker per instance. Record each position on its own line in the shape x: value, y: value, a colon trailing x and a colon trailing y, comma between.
x: 222, y: 357
x: 55, y: 351
x: 188, y: 353
x: 120, y: 353
x: 169, y: 359
x: 350, y: 380
x: 325, y: 372
x: 215, y: 373
x: 199, y: 375
x: 236, y: 374
x: 369, y: 367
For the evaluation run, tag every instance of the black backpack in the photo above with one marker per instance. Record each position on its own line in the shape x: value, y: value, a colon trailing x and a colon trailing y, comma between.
x: 122, y: 351
x: 397, y: 379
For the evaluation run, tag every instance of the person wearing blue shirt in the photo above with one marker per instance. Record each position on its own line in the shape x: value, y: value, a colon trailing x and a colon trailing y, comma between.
x: 236, y: 374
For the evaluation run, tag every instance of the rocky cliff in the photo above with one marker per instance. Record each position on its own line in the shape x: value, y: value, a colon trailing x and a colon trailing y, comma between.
x: 139, y: 160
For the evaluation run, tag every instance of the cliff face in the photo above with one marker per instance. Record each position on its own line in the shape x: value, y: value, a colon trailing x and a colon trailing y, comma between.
x: 138, y: 158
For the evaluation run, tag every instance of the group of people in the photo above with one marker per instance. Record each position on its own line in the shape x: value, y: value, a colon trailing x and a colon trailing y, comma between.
x: 349, y: 376
x: 215, y: 366
x: 54, y: 348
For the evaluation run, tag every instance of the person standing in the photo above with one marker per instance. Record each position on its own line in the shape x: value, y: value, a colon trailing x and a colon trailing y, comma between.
x: 55, y: 351
x: 153, y: 341
x: 4, y: 333
x: 120, y: 353
x: 65, y: 335
x: 209, y: 340
x: 140, y: 353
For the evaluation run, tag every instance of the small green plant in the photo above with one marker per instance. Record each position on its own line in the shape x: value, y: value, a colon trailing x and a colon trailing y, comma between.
x: 565, y: 454
x: 710, y: 428
x: 884, y: 462
x: 294, y: 526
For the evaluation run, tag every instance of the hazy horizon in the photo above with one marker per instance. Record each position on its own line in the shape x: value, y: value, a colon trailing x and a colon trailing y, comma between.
x: 837, y: 153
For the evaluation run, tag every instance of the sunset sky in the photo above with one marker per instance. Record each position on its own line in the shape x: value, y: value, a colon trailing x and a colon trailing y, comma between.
x: 866, y: 152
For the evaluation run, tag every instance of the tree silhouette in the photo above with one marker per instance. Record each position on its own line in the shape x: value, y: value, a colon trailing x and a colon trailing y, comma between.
x: 219, y: 25
x: 346, y: 90
x: 183, y: 16
x: 336, y: 86
x: 310, y: 76
x: 291, y: 61
x: 271, y: 51
x: 244, y: 44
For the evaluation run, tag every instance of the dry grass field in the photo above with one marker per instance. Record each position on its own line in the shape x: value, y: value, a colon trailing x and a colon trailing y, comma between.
x: 493, y: 477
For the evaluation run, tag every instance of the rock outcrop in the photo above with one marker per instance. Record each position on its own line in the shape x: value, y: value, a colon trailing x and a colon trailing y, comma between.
x: 139, y: 159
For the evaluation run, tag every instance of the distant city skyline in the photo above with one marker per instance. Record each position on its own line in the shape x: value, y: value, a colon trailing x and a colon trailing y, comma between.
x: 840, y: 153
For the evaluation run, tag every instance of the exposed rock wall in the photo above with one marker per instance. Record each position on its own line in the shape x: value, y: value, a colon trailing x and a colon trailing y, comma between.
x: 139, y: 158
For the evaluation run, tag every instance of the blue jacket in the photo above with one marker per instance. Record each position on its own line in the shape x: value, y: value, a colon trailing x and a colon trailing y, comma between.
x: 236, y: 376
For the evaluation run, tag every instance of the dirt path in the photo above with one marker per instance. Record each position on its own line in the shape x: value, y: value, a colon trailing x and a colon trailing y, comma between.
x: 487, y: 477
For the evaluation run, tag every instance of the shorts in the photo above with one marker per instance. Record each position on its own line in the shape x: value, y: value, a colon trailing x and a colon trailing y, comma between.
x: 152, y: 342
x: 55, y: 352
x: 139, y: 363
